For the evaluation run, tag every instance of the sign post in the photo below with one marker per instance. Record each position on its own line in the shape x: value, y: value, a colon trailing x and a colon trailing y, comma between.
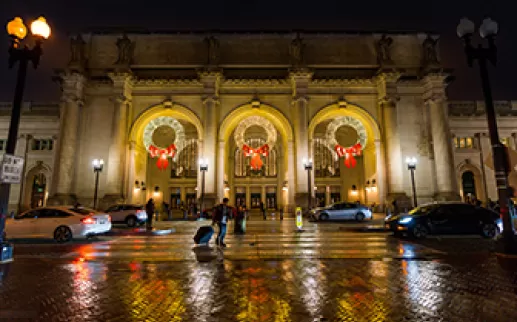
x: 299, y: 219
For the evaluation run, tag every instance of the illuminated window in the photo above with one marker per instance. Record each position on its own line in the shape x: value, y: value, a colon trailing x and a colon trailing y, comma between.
x: 505, y: 141
x: 243, y: 163
x: 324, y: 163
x: 185, y: 164
x: 464, y: 143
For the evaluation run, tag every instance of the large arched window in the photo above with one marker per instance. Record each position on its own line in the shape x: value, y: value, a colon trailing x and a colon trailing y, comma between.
x: 39, y: 187
x: 184, y: 164
x: 324, y: 163
x: 242, y: 162
x: 468, y: 183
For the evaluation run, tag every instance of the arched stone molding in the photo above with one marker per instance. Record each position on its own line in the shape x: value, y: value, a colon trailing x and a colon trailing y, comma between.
x: 336, y: 110
x: 465, y: 166
x: 38, y: 168
x: 174, y: 110
x: 281, y: 124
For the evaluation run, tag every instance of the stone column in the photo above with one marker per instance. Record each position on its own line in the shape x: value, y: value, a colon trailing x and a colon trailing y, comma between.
x: 442, y: 148
x: 290, y: 177
x: 130, y: 186
x: 300, y: 80
x: 220, y: 171
x: 122, y: 90
x: 381, y: 173
x: 210, y: 80
x: 392, y: 154
x: 71, y: 103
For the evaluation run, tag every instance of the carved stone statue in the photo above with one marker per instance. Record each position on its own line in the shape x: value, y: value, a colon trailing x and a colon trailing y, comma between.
x: 213, y: 50
x: 430, y: 52
x: 296, y: 50
x: 77, y: 50
x: 126, y: 48
x: 384, y: 50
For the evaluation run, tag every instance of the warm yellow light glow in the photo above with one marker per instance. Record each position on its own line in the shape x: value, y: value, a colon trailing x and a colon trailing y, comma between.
x: 374, y: 189
x: 40, y: 28
x: 227, y: 188
x: 16, y: 28
x: 284, y: 188
x: 136, y: 190
x: 367, y: 189
x: 354, y: 192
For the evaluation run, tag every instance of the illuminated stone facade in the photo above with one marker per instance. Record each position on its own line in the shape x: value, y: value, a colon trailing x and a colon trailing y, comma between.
x: 299, y: 93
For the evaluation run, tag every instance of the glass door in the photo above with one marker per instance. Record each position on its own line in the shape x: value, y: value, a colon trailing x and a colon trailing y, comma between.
x: 240, y: 199
x: 320, y: 199
x: 255, y: 200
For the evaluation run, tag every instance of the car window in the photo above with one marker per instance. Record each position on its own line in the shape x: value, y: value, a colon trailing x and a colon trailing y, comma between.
x: 46, y: 213
x: 422, y: 209
x: 29, y: 215
x: 82, y: 211
x: 113, y: 208
x: 339, y: 206
x: 463, y: 210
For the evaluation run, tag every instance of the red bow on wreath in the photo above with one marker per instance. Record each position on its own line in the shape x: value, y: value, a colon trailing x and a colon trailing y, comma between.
x: 256, y: 161
x: 349, y: 153
x: 162, y: 155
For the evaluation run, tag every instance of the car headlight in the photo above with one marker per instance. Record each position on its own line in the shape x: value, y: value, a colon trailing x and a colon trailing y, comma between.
x: 405, y: 220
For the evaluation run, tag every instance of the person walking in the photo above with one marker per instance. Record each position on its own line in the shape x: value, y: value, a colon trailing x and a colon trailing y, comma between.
x: 263, y: 210
x: 222, y: 214
x: 240, y: 220
x: 149, y: 209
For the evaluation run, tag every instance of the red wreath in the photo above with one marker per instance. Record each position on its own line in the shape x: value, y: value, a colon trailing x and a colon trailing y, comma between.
x: 162, y: 155
x: 349, y: 153
x: 256, y: 161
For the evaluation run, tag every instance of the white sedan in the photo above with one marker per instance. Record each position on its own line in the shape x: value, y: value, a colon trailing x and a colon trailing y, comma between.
x: 60, y: 223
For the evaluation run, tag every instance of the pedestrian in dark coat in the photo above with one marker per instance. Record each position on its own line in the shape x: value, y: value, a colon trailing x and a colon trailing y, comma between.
x: 149, y: 209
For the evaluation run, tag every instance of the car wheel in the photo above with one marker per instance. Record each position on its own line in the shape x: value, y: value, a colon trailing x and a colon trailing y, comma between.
x: 324, y: 217
x: 62, y: 234
x: 488, y: 230
x: 131, y: 221
x: 419, y: 231
x: 359, y: 216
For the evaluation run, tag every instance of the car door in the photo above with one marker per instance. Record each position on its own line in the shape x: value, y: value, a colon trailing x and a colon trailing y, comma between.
x: 116, y: 213
x: 23, y: 226
x: 336, y: 212
x: 440, y: 220
x: 46, y: 224
x: 465, y: 219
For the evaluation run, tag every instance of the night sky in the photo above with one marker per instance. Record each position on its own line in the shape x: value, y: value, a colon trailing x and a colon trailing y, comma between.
x: 440, y: 16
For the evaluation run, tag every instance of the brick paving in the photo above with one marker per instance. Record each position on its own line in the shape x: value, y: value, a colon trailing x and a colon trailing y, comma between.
x: 321, y: 274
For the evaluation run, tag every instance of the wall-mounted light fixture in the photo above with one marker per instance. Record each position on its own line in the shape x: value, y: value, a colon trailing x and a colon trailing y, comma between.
x: 156, y: 191
x: 137, y: 186
x: 284, y: 187
x: 374, y: 186
x: 354, y: 191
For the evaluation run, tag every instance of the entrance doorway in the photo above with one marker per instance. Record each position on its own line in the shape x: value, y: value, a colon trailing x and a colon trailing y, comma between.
x: 39, y: 185
x: 335, y: 197
x: 240, y: 199
x: 468, y: 183
x: 255, y: 200
x: 175, y: 200
x: 271, y: 201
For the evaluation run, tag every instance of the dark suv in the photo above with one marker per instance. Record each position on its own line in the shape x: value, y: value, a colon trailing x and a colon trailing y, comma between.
x: 446, y: 218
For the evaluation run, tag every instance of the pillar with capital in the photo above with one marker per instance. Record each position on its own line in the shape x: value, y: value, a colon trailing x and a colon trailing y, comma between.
x: 393, y: 183
x: 300, y: 81
x: 213, y: 183
x: 116, y: 163
x: 447, y: 188
x: 71, y: 104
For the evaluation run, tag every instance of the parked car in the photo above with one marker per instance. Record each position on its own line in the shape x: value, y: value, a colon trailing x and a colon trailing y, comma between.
x: 341, y: 211
x: 131, y: 215
x: 60, y: 223
x: 446, y: 218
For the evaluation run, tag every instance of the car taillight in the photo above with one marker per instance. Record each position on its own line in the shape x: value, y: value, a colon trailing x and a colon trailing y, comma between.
x: 88, y: 221
x: 109, y: 218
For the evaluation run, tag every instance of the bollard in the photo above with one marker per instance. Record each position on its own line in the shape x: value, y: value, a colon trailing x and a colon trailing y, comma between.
x: 299, y: 219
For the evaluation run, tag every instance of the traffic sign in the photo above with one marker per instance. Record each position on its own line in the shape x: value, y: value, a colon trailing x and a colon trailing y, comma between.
x: 299, y: 219
x: 12, y: 169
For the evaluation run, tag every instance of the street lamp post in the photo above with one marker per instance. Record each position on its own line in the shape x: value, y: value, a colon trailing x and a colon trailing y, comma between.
x: 22, y: 55
x: 203, y: 167
x: 98, y: 164
x: 307, y: 163
x: 411, y: 165
x: 488, y: 30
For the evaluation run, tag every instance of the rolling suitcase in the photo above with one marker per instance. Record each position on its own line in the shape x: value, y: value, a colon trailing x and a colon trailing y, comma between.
x: 203, y: 235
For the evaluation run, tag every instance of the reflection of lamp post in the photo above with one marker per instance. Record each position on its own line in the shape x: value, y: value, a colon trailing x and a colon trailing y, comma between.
x: 411, y: 165
x: 22, y: 55
x: 203, y: 167
x: 488, y: 30
x: 307, y: 163
x: 97, y: 164
x: 367, y: 190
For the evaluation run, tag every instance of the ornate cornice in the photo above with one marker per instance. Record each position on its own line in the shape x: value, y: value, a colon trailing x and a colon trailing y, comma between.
x: 343, y: 82
x: 168, y: 82
x: 255, y: 82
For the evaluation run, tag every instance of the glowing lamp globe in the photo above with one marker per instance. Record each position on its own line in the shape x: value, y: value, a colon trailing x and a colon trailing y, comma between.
x: 16, y: 28
x: 40, y: 28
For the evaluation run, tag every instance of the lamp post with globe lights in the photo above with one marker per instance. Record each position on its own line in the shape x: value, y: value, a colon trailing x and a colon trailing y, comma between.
x: 411, y: 166
x: 22, y: 55
x: 488, y: 30
x: 203, y: 167
x: 307, y: 164
x: 98, y: 165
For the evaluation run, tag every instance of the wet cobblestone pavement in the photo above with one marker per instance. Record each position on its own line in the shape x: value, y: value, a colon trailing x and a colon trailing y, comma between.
x: 321, y: 274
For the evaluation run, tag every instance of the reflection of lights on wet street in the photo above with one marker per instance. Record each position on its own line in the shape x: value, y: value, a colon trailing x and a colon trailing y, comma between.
x: 407, y: 250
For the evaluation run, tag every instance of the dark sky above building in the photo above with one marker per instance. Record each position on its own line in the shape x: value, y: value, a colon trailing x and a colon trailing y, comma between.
x: 440, y: 16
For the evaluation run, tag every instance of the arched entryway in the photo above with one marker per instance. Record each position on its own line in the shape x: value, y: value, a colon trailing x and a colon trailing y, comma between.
x: 254, y: 163
x: 468, y: 184
x: 345, y: 146
x: 36, y: 186
x: 163, y: 162
x: 471, y: 181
